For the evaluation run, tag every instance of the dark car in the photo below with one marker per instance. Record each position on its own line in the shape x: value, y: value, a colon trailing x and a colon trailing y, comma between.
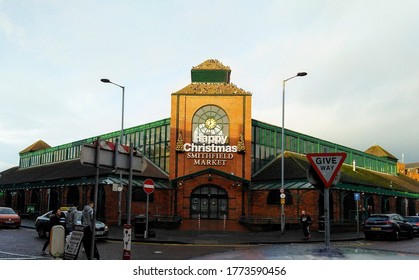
x: 9, y: 218
x: 387, y: 226
x: 42, y: 225
x: 414, y: 220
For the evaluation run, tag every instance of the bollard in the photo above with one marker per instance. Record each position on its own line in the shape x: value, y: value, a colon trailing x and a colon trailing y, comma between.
x: 57, y: 241
x: 126, y: 254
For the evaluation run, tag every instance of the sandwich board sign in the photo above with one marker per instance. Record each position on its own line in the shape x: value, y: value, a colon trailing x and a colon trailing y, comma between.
x: 327, y: 165
x: 73, y: 245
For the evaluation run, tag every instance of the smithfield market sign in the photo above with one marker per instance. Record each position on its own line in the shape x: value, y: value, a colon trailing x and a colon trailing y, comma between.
x: 210, y: 150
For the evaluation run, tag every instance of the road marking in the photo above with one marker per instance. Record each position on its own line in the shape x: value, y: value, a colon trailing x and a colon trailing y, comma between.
x: 17, y: 256
x: 188, y: 244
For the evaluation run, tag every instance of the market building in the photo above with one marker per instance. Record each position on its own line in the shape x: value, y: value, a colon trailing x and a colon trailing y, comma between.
x: 213, y: 165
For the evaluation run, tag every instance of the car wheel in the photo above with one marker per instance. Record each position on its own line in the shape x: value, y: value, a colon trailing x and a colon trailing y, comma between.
x: 411, y: 234
x: 367, y: 236
x: 396, y: 235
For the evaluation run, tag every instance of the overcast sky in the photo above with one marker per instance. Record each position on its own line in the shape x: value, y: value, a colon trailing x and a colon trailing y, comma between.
x: 362, y: 59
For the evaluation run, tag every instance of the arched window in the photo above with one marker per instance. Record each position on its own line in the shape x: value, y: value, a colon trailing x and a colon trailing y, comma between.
x: 209, y: 120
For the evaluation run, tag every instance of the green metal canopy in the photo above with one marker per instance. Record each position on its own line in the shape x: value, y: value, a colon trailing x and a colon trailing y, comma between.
x: 105, y: 180
x: 375, y: 190
x: 296, y: 185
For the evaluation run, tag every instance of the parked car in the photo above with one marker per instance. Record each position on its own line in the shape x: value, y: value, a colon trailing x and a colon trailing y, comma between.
x: 414, y: 220
x: 42, y: 225
x: 9, y: 218
x: 387, y: 225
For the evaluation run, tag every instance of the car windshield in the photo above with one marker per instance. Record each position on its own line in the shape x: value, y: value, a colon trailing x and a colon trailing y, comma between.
x: 412, y: 219
x: 6, y: 211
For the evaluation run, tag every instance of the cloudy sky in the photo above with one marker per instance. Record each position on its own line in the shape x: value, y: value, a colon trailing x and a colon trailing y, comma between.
x: 361, y: 56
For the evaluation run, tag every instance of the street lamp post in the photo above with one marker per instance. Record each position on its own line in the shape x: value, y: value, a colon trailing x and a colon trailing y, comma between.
x: 120, y: 142
x: 299, y: 74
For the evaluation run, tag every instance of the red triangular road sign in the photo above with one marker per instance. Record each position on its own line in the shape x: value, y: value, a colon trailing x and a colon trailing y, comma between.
x: 327, y: 165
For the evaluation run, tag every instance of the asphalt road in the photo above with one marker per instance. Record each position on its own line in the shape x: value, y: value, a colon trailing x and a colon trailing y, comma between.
x: 24, y: 243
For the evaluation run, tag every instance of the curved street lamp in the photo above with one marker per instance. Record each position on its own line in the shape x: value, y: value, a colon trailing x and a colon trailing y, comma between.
x: 107, y: 81
x: 299, y: 74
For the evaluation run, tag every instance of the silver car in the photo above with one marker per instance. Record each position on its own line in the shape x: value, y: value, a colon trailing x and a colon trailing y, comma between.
x: 42, y: 225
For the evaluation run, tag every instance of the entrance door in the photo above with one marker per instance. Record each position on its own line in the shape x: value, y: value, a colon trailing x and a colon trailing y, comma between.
x: 209, y: 202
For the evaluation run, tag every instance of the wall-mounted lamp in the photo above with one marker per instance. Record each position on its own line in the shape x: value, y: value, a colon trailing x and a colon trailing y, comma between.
x: 235, y: 184
x: 209, y: 177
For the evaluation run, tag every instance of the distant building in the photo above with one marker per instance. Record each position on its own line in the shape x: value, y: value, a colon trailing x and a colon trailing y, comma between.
x: 410, y: 169
x: 213, y: 164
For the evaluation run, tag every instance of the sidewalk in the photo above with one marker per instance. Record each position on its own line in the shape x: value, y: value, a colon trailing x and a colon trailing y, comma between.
x: 223, y: 237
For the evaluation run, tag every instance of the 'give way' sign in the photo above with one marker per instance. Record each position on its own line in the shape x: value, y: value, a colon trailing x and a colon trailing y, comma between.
x: 327, y: 165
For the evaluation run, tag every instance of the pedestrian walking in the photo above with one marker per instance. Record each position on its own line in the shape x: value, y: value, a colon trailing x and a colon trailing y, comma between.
x: 305, y: 221
x: 72, y: 216
x: 87, y: 218
x: 54, y: 219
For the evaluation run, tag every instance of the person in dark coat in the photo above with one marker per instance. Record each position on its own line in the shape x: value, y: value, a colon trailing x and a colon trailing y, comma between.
x: 305, y: 221
x: 54, y: 219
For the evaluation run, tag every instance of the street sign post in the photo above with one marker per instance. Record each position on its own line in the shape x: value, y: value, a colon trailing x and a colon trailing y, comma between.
x: 357, y: 197
x: 148, y: 189
x: 105, y: 154
x: 327, y: 166
x: 282, y: 202
x: 112, y: 157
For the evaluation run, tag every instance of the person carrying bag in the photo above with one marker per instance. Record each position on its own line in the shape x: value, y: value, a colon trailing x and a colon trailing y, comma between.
x: 306, y: 221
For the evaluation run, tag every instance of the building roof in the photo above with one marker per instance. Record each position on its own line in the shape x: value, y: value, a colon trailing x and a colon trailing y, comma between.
x: 296, y: 167
x: 412, y: 165
x: 211, y: 64
x: 70, y: 172
x: 379, y: 152
x: 212, y: 88
x: 38, y: 145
